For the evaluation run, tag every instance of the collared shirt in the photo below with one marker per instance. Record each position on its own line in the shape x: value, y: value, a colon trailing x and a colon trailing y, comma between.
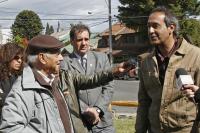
x: 49, y: 79
x: 164, y: 60
x: 82, y: 60
x: 79, y: 57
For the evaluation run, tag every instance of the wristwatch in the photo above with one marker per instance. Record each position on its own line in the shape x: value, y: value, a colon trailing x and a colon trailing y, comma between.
x: 98, y: 110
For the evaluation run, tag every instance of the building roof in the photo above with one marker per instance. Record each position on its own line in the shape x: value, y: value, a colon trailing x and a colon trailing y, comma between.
x: 118, y: 29
x: 63, y: 36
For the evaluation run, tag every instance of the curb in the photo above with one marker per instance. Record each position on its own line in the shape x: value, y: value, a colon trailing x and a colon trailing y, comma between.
x: 124, y: 115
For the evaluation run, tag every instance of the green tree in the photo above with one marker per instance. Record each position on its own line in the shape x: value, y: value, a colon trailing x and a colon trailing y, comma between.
x: 134, y: 13
x: 51, y: 30
x: 58, y: 28
x: 191, y: 27
x: 47, y: 29
x: 27, y: 24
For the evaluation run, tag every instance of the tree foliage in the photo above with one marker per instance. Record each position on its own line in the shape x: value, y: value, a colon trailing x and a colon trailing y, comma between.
x: 58, y: 28
x: 23, y: 42
x: 49, y: 29
x: 27, y: 24
x: 191, y: 27
x: 134, y: 13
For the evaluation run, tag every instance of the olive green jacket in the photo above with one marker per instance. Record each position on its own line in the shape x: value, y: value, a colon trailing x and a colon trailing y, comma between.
x: 164, y: 108
x: 71, y: 83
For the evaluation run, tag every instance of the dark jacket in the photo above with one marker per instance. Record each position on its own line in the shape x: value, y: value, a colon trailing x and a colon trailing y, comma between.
x: 197, y: 96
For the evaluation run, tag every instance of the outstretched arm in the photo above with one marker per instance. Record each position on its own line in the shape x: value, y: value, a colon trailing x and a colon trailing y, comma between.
x: 82, y: 82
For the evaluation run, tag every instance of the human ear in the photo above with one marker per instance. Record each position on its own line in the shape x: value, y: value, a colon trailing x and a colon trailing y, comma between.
x: 171, y: 28
x: 41, y: 58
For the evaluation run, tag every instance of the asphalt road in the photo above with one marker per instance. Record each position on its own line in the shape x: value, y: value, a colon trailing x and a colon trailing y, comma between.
x: 125, y: 90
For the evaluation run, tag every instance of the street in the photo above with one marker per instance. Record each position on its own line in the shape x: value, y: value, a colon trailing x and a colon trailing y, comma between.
x: 125, y: 90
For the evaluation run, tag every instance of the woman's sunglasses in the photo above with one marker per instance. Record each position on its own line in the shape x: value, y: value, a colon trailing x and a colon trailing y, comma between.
x: 17, y: 57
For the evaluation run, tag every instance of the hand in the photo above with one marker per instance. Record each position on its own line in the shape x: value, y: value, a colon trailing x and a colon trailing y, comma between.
x: 122, y: 68
x: 189, y: 90
x: 132, y: 72
x: 91, y: 115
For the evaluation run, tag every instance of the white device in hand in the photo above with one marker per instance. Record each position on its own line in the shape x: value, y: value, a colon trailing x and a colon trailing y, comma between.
x: 182, y: 78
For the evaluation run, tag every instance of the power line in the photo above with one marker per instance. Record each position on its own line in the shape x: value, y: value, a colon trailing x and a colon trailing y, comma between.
x: 106, y: 3
x: 41, y: 13
x: 66, y: 19
x: 97, y: 23
x: 133, y: 17
x: 81, y: 19
x: 56, y: 19
x: 44, y: 13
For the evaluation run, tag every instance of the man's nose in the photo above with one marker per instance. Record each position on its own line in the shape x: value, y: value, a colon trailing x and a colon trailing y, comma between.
x: 150, y: 29
x: 60, y: 57
x: 84, y: 42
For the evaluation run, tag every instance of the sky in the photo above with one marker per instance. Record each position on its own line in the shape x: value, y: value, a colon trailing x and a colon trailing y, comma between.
x: 95, y: 11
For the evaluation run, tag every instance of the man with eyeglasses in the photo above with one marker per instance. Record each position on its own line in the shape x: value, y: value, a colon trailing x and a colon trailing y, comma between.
x: 36, y: 102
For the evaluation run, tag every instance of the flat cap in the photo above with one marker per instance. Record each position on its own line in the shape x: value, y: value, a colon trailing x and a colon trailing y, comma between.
x: 44, y: 43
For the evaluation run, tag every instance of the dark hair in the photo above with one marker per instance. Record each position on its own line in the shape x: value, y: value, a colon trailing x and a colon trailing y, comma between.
x: 8, y: 52
x: 77, y: 28
x: 169, y: 19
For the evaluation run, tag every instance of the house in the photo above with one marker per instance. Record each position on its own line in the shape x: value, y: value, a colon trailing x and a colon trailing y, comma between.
x: 5, y: 35
x: 63, y: 36
x: 128, y: 41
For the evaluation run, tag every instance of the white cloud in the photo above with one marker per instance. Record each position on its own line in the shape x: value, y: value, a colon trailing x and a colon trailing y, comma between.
x: 59, y: 9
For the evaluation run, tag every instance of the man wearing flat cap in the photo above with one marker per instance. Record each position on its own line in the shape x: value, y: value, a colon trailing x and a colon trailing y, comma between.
x: 36, y: 103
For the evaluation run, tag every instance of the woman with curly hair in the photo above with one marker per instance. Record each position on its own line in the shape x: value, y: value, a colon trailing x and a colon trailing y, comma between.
x: 11, y: 64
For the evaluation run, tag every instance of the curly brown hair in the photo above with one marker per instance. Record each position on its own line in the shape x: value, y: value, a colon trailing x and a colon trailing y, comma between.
x: 7, y: 53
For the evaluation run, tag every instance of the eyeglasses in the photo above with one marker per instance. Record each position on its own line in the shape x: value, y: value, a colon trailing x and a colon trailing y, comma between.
x: 17, y: 57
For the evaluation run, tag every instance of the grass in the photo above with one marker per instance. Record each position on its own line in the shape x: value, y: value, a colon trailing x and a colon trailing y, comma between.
x: 124, y: 125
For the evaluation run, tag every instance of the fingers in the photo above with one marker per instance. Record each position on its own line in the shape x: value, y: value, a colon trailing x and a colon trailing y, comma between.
x: 189, y: 93
x: 128, y: 66
x: 96, y: 121
x: 132, y: 72
x: 191, y: 87
x: 92, y: 116
x: 189, y: 90
x: 122, y: 68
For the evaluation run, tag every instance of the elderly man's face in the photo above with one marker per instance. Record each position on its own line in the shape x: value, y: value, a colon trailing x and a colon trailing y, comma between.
x: 53, y: 60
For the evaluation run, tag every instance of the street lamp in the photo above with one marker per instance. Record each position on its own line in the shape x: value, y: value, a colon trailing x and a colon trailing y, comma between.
x: 89, y: 12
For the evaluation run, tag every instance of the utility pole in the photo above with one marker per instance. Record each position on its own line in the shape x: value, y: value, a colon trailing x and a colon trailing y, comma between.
x: 110, y: 32
x: 1, y: 36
